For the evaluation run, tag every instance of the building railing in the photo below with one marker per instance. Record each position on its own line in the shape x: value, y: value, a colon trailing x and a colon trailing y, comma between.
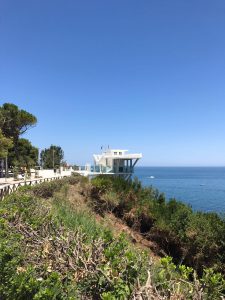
x: 102, y: 169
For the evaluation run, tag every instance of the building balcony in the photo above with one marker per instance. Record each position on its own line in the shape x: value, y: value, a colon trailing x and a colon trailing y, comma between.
x: 108, y: 170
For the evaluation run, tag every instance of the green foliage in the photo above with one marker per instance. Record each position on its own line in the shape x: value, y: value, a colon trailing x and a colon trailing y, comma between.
x: 27, y: 155
x: 51, y: 247
x: 52, y: 157
x: 214, y: 284
x: 111, y: 200
x: 118, y: 184
x: 47, y: 189
x: 75, y: 217
x: 194, y: 238
x: 116, y: 265
x: 5, y: 145
x: 13, y: 123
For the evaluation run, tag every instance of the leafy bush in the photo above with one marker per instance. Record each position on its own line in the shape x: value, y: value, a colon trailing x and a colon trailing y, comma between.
x: 47, y: 189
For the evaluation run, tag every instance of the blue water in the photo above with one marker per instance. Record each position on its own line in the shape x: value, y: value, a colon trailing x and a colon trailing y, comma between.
x: 202, y: 188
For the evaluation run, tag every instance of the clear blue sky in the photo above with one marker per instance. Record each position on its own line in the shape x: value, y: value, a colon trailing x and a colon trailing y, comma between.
x: 148, y: 76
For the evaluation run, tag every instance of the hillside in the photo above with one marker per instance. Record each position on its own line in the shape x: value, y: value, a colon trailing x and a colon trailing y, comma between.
x: 71, y: 239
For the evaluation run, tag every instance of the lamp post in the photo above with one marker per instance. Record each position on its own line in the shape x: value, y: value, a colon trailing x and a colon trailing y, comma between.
x: 1, y: 167
x: 6, y: 168
x: 53, y: 158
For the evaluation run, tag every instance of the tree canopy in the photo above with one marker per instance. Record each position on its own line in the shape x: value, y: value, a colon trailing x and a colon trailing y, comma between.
x: 5, y: 145
x: 51, y: 157
x: 27, y: 155
x: 13, y: 123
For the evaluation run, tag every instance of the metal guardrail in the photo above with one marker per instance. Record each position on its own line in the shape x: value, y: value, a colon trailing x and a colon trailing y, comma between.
x: 7, y: 189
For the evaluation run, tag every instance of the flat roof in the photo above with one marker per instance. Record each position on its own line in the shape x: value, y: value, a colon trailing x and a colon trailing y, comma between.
x: 121, y: 156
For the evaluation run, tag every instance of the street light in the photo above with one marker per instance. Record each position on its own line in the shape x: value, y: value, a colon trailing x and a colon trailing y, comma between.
x: 6, y: 168
x: 53, y: 159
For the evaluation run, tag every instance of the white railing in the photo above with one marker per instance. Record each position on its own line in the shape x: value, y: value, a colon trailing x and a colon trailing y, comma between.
x: 6, y: 189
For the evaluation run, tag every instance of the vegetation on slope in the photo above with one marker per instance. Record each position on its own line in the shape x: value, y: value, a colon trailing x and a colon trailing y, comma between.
x: 52, y: 247
x: 196, y: 239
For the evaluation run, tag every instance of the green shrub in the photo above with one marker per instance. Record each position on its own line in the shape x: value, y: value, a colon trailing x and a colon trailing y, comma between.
x: 213, y: 283
x: 47, y: 189
x: 194, y: 238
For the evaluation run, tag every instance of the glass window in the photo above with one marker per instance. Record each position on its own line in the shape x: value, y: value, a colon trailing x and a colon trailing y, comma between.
x: 115, y: 153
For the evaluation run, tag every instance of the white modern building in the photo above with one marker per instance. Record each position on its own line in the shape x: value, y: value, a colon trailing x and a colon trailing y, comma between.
x: 112, y: 162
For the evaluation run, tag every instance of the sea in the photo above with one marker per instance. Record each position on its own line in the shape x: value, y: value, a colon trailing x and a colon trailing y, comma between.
x: 201, y: 187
